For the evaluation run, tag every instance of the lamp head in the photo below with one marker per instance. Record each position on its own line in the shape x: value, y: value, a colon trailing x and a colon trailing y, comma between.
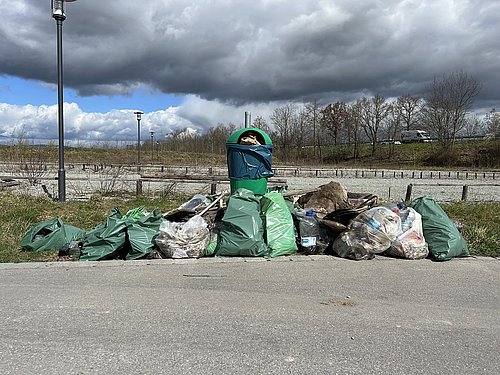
x: 58, y: 8
x: 138, y: 114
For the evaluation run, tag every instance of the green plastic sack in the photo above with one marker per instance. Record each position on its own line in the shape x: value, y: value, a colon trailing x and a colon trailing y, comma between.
x: 106, y: 240
x: 211, y: 248
x: 51, y: 234
x: 242, y: 231
x: 278, y: 223
x: 142, y: 230
x: 444, y: 240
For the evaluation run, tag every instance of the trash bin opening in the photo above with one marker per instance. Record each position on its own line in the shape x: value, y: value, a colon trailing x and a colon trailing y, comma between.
x: 252, y: 134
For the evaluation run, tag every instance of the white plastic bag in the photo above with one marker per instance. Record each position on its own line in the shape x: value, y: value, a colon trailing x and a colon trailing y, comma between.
x: 184, y: 240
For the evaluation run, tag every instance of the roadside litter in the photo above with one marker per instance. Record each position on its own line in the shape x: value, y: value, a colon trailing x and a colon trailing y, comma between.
x: 327, y: 220
x: 51, y: 234
x: 256, y: 221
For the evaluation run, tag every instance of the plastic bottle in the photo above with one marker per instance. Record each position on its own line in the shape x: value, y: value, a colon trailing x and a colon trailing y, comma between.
x: 308, y: 232
x: 406, y: 219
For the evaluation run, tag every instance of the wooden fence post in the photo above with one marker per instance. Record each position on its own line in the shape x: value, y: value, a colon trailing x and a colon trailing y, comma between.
x: 138, y: 188
x: 465, y: 192
x: 408, y: 193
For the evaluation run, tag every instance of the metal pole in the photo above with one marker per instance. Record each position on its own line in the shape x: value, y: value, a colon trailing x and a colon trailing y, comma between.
x: 61, y: 174
x: 138, y: 144
x: 247, y: 119
x: 152, y: 147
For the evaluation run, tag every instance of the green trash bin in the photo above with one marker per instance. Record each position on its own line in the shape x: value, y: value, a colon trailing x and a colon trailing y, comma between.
x: 249, y: 165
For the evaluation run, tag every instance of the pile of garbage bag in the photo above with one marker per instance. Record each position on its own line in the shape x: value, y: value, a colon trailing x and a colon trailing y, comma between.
x: 327, y: 220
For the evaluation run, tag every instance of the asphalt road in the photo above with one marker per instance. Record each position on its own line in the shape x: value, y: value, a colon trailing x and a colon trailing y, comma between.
x: 293, y: 315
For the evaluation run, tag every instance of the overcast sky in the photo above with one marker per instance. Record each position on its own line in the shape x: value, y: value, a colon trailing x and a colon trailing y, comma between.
x: 197, y: 63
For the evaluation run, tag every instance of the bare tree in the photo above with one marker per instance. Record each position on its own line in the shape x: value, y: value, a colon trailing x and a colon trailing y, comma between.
x: 409, y: 108
x: 492, y: 123
x: 283, y: 119
x: 395, y: 118
x: 299, y: 134
x: 392, y: 125
x: 446, y: 105
x: 334, y: 119
x: 472, y: 126
x: 216, y: 137
x: 312, y: 114
x: 374, y: 111
x: 354, y: 128
x: 261, y: 124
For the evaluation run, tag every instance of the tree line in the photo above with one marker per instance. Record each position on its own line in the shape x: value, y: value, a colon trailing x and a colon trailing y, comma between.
x: 444, y: 112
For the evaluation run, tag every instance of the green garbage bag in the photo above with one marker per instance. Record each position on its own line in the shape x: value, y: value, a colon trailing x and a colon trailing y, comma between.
x: 278, y: 224
x: 211, y: 248
x: 51, y: 234
x: 106, y: 240
x: 444, y: 240
x: 242, y: 230
x: 142, y: 230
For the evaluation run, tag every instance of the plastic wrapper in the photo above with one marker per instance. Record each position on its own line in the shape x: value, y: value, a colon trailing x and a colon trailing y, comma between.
x: 196, y: 202
x: 184, y: 239
x: 410, y: 243
x: 249, y: 162
x: 368, y: 234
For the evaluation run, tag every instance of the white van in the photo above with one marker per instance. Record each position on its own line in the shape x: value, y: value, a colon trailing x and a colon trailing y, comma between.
x: 414, y: 136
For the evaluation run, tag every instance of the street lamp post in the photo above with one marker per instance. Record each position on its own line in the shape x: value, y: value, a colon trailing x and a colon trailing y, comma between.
x: 152, y: 145
x: 59, y: 15
x: 139, y: 116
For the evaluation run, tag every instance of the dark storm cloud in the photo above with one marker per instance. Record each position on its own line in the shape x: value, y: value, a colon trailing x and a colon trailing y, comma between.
x: 257, y: 51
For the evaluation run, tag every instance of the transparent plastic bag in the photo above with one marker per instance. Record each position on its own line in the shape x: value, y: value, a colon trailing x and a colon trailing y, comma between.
x: 184, y: 239
x: 370, y: 233
x: 410, y: 243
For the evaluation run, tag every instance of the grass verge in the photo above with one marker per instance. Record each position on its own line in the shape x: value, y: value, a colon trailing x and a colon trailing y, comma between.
x: 481, y: 222
x: 481, y: 226
x: 18, y: 213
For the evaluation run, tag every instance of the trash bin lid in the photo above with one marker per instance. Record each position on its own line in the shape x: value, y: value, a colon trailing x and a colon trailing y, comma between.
x: 261, y: 135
